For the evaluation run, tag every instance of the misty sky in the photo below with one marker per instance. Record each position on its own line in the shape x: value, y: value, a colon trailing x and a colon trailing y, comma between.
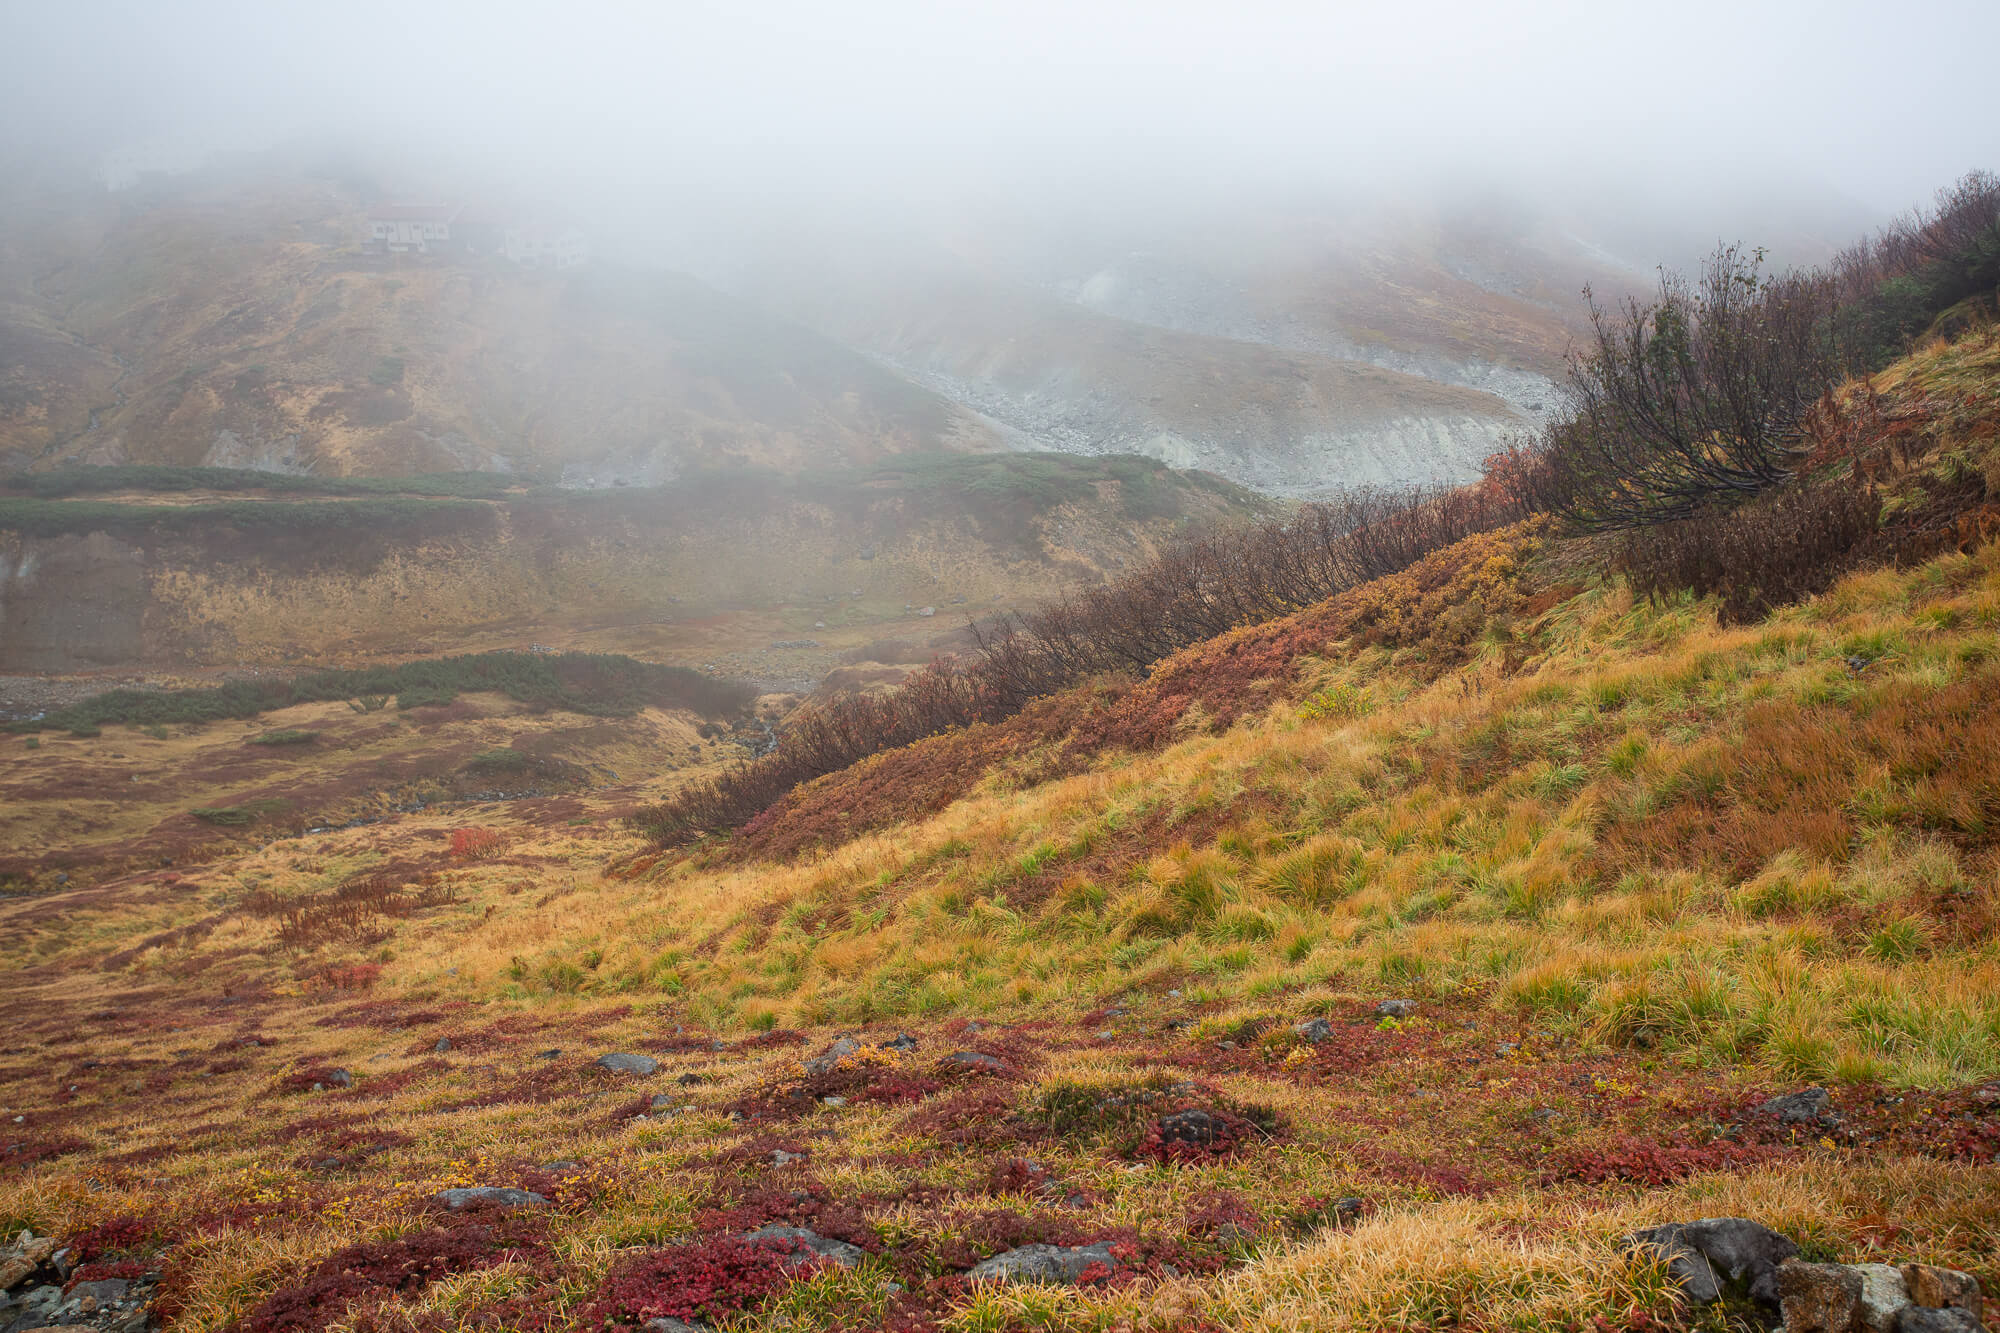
x: 897, y: 95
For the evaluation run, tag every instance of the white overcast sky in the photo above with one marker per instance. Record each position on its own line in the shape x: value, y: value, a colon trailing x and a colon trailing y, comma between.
x: 1878, y: 102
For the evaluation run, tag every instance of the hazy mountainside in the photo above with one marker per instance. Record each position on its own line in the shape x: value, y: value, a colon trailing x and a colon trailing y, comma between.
x: 236, y: 323
x: 1063, y: 376
x: 1293, y: 352
x: 229, y: 318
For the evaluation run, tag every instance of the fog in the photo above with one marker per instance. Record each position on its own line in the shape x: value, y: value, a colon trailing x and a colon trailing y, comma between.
x: 732, y: 109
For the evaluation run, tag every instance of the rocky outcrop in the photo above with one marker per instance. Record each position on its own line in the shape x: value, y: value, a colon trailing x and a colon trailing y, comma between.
x: 1049, y: 1264
x: 1718, y: 1259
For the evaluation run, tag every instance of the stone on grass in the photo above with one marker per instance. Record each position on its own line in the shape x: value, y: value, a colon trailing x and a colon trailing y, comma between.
x: 1942, y: 1288
x: 1060, y: 1264
x: 443, y: 1045
x: 1396, y: 1008
x: 836, y: 1252
x: 1803, y: 1107
x: 977, y: 1061
x: 626, y: 1062
x: 1198, y: 1128
x: 1314, y: 1030
x: 498, y: 1196
x: 903, y: 1042
x: 1707, y: 1257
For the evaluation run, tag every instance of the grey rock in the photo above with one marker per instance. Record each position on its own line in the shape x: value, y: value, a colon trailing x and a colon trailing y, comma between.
x: 1803, y: 1107
x: 661, y: 1102
x: 1925, y: 1319
x: 833, y: 1101
x: 1882, y: 1295
x: 976, y: 1061
x: 625, y: 1062
x: 1712, y: 1255
x: 827, y: 1060
x: 664, y: 1325
x: 903, y: 1042
x: 1396, y: 1008
x: 1059, y: 1264
x: 443, y: 1045
x: 1196, y: 1127
x: 504, y: 1196
x: 106, y: 1289
x: 1314, y: 1030
x: 779, y: 1157
x: 837, y: 1252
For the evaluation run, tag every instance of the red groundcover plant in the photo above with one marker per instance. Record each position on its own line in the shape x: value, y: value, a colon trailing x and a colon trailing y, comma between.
x: 706, y: 1279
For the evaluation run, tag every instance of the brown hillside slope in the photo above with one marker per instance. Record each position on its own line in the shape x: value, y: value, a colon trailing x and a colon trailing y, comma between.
x: 237, y: 323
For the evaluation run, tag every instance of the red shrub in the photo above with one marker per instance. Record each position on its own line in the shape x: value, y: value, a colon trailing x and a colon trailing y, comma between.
x: 128, y: 1269
x: 1639, y: 1162
x: 702, y: 1280
x: 469, y: 844
x: 118, y: 1235
x: 407, y: 1264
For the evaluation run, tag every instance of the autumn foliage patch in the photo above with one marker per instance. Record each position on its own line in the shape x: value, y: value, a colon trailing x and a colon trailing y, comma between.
x: 705, y: 1280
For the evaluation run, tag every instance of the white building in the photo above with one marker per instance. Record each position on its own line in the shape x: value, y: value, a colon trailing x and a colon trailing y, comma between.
x: 400, y: 228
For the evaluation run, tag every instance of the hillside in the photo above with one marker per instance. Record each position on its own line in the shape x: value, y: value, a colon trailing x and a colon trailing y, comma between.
x: 1294, y: 349
x: 230, y: 319
x: 205, y: 569
x: 1066, y: 376
x: 1385, y: 962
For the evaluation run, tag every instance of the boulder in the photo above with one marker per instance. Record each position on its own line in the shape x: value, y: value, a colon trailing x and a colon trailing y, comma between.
x: 625, y: 1062
x: 1707, y: 1257
x: 1882, y: 1295
x: 1314, y: 1030
x: 1193, y: 1127
x: 976, y: 1062
x: 1937, y: 1288
x: 1819, y: 1298
x: 1804, y: 1107
x: 836, y: 1252
x: 497, y: 1196
x: 1396, y: 1008
x: 102, y: 1291
x: 1059, y: 1264
x: 1950, y: 1319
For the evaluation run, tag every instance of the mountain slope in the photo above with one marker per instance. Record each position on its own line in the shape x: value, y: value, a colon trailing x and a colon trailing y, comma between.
x: 1065, y: 376
x: 235, y: 323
